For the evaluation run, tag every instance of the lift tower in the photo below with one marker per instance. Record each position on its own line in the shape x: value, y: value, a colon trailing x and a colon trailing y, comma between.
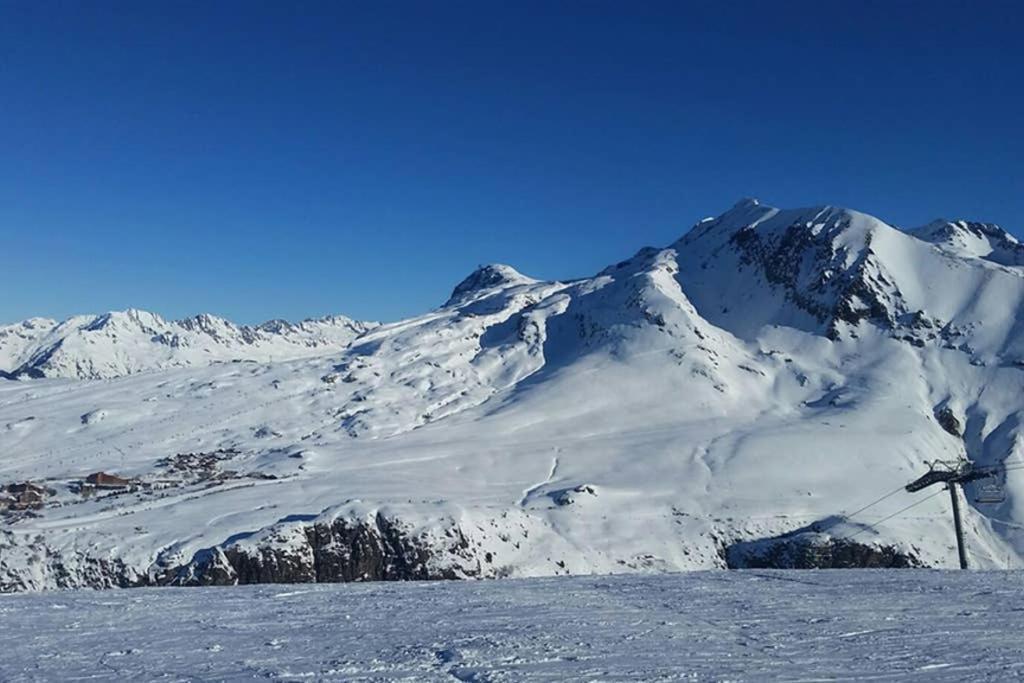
x: 952, y: 474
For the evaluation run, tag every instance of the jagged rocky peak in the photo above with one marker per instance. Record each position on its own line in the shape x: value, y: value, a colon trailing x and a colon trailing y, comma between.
x: 35, y: 324
x: 831, y: 270
x: 127, y: 319
x: 838, y: 272
x: 277, y: 326
x: 942, y: 229
x: 748, y: 204
x: 487, y: 278
x: 750, y: 222
x: 27, y: 329
x: 339, y: 322
x: 973, y: 239
x: 208, y: 324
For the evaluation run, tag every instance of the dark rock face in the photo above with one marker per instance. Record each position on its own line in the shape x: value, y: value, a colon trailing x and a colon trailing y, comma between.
x: 378, y: 549
x: 815, y: 277
x: 839, y: 288
x: 808, y: 550
x: 948, y: 421
x: 484, y: 277
x: 1006, y: 249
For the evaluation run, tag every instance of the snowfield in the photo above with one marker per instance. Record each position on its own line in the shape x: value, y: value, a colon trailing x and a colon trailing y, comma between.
x: 738, y: 626
x: 735, y: 399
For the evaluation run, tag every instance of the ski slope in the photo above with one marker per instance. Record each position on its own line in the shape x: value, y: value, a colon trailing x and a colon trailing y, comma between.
x: 737, y: 626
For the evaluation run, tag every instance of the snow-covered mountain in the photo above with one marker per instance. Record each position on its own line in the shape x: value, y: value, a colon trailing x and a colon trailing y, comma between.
x: 971, y: 239
x: 722, y: 401
x: 127, y: 342
x: 827, y: 270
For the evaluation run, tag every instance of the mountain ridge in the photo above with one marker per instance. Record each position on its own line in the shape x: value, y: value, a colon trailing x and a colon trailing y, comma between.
x: 116, y: 343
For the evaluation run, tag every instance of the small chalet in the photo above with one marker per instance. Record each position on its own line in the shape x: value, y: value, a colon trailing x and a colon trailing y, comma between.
x: 102, y: 480
x: 28, y: 500
x: 25, y: 496
x: 26, y: 487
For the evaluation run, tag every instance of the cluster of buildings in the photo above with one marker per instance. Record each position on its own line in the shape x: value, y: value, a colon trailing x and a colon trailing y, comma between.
x: 29, y: 495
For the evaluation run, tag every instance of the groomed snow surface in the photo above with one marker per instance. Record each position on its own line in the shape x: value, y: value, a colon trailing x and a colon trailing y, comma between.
x: 921, y: 625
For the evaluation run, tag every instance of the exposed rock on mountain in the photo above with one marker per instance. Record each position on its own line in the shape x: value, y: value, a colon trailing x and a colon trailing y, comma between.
x: 971, y: 239
x: 830, y: 271
x: 487, y: 279
x: 375, y: 548
x: 809, y: 550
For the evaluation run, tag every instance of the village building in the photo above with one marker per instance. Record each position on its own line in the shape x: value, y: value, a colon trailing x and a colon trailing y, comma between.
x: 23, y: 496
x: 102, y: 480
x: 26, y: 487
x: 28, y: 500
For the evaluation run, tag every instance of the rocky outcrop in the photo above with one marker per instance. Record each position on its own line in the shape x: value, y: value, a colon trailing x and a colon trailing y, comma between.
x: 813, y: 550
x: 331, y: 548
x: 947, y: 419
x: 835, y: 288
x: 377, y: 548
x: 973, y: 239
x: 486, y: 278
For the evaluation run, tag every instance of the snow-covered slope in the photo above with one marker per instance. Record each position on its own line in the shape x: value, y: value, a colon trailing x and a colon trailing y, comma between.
x: 126, y: 342
x: 944, y: 627
x: 721, y: 401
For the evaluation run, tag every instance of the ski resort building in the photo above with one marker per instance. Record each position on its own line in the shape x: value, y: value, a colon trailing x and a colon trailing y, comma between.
x: 102, y: 480
x: 24, y: 496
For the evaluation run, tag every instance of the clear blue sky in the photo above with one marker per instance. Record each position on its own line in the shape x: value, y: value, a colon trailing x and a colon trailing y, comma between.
x: 262, y: 160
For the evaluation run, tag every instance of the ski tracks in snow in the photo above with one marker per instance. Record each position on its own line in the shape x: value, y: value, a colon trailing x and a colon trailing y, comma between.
x: 528, y: 493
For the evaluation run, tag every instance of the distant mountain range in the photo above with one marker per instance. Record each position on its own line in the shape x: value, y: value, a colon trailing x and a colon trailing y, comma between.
x: 126, y: 342
x: 727, y: 400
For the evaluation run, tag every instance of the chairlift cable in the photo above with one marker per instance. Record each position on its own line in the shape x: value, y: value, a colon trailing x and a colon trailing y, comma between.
x: 846, y: 517
x: 898, y: 512
x: 874, y: 503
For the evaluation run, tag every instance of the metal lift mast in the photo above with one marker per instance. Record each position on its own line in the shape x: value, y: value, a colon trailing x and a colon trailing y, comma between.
x: 952, y: 475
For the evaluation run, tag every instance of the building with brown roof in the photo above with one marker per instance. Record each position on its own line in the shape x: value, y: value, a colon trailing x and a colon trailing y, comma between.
x: 102, y: 480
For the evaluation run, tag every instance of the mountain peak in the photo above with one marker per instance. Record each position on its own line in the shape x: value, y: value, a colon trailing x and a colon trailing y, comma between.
x: 942, y: 228
x: 973, y: 239
x: 130, y: 317
x: 487, y: 277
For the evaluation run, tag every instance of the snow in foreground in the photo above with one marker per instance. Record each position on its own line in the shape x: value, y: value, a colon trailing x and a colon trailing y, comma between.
x: 835, y: 625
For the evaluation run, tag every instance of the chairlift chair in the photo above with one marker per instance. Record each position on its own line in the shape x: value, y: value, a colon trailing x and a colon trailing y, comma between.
x: 991, y: 492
